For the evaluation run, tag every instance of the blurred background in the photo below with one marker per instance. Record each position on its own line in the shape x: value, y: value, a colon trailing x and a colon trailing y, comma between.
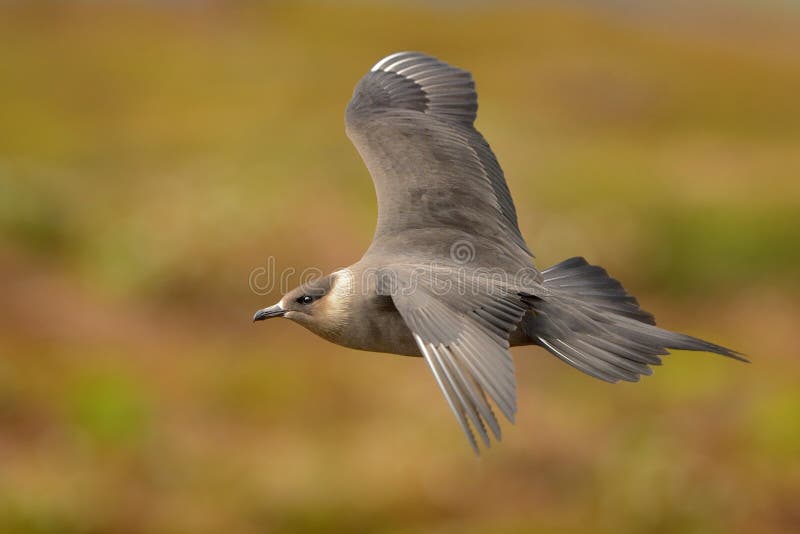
x: 153, y: 154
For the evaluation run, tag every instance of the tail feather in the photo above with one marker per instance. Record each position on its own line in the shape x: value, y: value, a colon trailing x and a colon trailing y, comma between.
x: 588, y: 320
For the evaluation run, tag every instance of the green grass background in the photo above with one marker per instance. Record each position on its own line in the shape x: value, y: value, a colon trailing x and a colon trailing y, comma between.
x: 152, y: 154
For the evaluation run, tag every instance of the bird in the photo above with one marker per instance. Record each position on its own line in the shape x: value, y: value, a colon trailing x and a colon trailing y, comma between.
x: 448, y: 276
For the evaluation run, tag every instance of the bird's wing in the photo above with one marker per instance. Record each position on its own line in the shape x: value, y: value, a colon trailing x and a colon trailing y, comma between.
x: 462, y: 331
x: 411, y: 119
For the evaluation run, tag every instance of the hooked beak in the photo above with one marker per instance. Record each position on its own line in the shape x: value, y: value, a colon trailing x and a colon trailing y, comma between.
x: 266, y: 313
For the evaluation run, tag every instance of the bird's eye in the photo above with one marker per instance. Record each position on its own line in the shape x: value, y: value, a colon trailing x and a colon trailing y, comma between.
x: 305, y: 299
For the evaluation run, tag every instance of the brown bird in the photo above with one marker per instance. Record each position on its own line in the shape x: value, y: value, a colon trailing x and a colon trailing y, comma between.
x: 448, y: 275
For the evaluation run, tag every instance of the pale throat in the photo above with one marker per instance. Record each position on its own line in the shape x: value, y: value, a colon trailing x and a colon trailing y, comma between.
x: 341, y: 293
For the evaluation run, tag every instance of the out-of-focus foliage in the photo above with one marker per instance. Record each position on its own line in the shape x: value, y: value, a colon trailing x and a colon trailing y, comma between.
x: 152, y: 154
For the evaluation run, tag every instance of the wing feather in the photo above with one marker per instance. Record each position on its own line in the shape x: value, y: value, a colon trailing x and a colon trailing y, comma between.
x: 465, y: 342
x: 411, y: 119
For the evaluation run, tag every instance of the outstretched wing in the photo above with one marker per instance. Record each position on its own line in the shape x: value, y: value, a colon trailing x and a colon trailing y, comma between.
x: 411, y: 119
x: 464, y: 340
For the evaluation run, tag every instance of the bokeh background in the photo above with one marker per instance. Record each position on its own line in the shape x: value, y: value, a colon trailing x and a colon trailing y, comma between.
x: 153, y: 154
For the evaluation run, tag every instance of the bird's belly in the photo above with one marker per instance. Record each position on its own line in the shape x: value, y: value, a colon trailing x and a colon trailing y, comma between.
x: 401, y: 342
x: 384, y: 330
x: 389, y: 342
x: 380, y: 331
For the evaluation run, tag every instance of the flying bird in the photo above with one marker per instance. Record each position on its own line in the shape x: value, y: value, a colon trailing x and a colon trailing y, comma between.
x: 448, y: 275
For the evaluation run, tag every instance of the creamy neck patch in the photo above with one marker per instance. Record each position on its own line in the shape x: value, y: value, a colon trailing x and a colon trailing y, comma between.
x: 341, y: 292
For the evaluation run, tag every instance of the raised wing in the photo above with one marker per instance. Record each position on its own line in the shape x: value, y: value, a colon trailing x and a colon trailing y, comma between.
x: 411, y: 119
x: 464, y: 340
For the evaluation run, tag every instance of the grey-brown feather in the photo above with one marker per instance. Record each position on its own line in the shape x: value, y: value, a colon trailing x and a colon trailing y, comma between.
x: 432, y: 169
x: 439, y: 184
x: 588, y: 320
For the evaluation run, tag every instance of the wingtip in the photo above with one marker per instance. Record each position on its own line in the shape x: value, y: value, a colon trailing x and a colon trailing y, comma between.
x: 380, y: 64
x: 474, y: 444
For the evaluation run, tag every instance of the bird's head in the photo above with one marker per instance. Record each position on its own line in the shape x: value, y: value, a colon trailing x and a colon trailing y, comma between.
x: 319, y: 305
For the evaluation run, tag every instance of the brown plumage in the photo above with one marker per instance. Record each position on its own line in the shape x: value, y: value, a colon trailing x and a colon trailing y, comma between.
x: 448, y: 275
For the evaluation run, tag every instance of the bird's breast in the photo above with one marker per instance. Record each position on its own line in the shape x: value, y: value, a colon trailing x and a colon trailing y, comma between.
x: 375, y: 325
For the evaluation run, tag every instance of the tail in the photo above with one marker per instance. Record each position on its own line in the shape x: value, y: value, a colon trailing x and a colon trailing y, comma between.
x: 587, y: 319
